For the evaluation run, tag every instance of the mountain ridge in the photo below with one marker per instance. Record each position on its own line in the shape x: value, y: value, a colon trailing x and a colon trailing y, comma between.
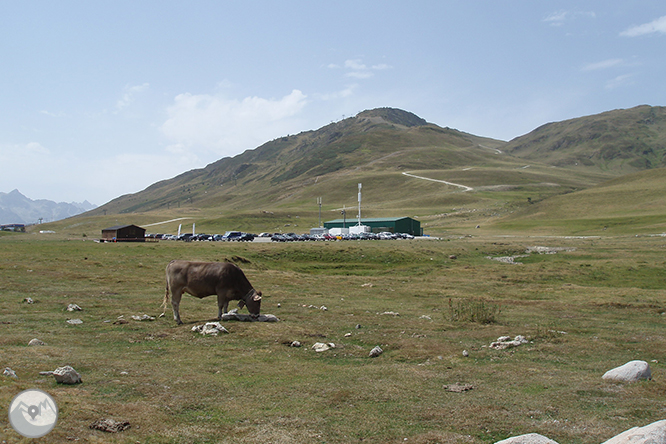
x: 15, y: 208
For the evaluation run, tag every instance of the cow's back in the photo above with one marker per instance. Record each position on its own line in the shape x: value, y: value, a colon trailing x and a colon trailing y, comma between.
x: 202, y: 279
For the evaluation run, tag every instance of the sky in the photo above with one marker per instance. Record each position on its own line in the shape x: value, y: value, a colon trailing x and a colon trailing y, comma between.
x: 101, y: 99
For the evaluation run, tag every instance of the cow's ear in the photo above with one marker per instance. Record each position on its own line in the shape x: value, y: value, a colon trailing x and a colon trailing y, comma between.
x: 257, y: 296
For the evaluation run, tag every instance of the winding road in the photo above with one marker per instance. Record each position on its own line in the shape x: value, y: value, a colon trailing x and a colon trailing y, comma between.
x: 464, y: 187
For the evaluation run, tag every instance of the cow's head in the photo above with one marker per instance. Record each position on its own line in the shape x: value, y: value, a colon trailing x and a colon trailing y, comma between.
x: 253, y: 302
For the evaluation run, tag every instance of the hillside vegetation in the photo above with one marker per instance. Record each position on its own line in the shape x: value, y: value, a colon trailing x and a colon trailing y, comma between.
x: 275, y: 186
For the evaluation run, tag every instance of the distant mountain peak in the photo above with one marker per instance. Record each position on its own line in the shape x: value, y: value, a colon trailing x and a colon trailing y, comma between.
x: 393, y: 116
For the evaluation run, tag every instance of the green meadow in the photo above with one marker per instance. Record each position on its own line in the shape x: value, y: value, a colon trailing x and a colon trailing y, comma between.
x: 584, y: 310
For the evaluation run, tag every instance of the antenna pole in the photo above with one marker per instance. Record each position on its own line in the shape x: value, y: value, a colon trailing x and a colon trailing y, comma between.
x: 359, y: 204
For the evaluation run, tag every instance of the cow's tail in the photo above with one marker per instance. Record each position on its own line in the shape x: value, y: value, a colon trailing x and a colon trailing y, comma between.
x: 165, y: 301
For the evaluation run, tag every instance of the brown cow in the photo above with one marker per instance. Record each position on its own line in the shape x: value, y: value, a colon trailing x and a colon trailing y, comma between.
x: 201, y: 279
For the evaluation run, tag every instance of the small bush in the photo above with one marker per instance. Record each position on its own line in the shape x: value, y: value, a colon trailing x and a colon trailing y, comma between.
x: 473, y: 310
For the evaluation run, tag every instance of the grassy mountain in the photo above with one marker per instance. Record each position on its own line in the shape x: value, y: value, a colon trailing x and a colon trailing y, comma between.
x: 632, y: 203
x: 408, y: 167
x: 619, y: 141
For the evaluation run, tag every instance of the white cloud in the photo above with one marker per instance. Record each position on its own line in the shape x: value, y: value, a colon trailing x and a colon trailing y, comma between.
x: 619, y: 81
x: 213, y: 123
x: 347, y: 92
x: 360, y: 74
x: 129, y: 95
x: 356, y: 69
x: 560, y: 17
x: 655, y: 26
x: 605, y: 64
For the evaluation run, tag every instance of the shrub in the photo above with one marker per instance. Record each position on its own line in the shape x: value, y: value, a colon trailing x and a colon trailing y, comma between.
x: 473, y: 310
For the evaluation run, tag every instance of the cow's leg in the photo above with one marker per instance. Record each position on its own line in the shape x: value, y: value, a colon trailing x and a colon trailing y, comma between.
x: 222, y: 305
x: 175, y: 304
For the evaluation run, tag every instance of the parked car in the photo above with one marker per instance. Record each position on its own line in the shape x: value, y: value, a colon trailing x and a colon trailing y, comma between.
x: 232, y: 235
x: 246, y: 237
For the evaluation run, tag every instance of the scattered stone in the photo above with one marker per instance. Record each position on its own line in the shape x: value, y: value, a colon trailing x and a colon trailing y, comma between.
x: 144, y: 317
x: 9, y: 372
x: 124, y: 373
x: 233, y: 315
x: 425, y: 317
x: 28, y: 301
x: 530, y: 438
x: 629, y: 372
x: 368, y: 285
x: 465, y: 353
x: 505, y: 342
x: 654, y: 433
x: 48, y: 373
x: 376, y: 352
x: 67, y: 375
x: 295, y: 344
x: 321, y: 347
x: 453, y: 257
x: 390, y: 313
x: 279, y: 305
x: 120, y: 321
x: 347, y: 335
x: 210, y: 328
x: 358, y: 326
x: 458, y: 387
x: 74, y: 321
x: 548, y: 250
x: 36, y: 342
x: 74, y: 307
x: 110, y: 425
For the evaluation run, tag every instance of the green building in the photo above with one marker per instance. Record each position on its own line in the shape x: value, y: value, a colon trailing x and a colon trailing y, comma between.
x: 377, y: 225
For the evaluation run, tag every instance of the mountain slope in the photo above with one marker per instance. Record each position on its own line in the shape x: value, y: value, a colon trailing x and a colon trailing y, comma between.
x: 619, y: 141
x: 379, y: 140
x: 636, y: 202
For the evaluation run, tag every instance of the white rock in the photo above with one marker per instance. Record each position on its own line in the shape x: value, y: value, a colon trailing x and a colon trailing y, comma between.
x: 530, y: 438
x: 376, y: 352
x: 654, y: 433
x: 28, y: 301
x: 144, y: 317
x: 321, y: 347
x: 73, y: 307
x: 504, y: 342
x: 465, y: 353
x: 74, y: 321
x: 36, y: 342
x: 9, y: 372
x: 233, y: 315
x: 210, y: 328
x: 67, y: 375
x: 629, y: 372
x: 295, y: 344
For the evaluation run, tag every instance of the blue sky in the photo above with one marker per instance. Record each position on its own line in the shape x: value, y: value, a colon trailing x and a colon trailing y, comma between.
x: 100, y: 99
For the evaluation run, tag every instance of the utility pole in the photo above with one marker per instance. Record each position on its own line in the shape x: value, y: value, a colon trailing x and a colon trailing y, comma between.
x: 344, y: 217
x: 359, y: 204
x: 319, y: 203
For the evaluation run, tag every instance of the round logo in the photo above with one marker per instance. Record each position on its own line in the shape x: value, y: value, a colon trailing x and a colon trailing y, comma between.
x: 33, y: 413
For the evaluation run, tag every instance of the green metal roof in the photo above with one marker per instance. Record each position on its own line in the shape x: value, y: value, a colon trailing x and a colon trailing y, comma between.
x: 367, y: 219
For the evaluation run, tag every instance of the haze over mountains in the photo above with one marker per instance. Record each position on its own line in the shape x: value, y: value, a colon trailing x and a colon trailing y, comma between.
x: 15, y: 208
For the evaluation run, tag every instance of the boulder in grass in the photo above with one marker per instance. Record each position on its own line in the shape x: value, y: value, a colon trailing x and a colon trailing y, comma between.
x: 110, y: 425
x: 36, y: 341
x: 630, y: 372
x: 654, y: 433
x: 210, y: 328
x: 530, y: 438
x: 66, y: 375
